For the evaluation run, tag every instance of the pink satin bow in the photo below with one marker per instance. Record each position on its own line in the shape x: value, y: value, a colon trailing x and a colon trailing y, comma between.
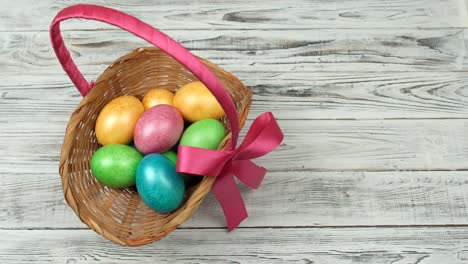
x: 263, y: 137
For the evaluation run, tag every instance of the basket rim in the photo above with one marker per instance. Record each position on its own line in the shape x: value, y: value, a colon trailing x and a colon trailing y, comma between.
x: 73, y: 128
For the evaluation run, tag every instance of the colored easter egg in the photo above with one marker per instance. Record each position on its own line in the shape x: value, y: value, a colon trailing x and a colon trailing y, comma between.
x: 158, y: 129
x: 159, y: 185
x: 116, y: 165
x: 157, y: 97
x: 172, y: 156
x: 196, y: 102
x: 206, y: 133
x: 116, y: 121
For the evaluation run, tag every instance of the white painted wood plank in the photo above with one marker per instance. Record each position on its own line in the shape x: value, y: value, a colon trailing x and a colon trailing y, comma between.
x: 292, y: 96
x: 319, y: 145
x: 365, y: 95
x: 331, y: 50
x: 37, y: 15
x: 321, y: 246
x: 289, y: 198
x: 371, y: 145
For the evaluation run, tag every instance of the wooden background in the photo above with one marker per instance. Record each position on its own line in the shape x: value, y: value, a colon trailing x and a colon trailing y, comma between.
x: 372, y: 96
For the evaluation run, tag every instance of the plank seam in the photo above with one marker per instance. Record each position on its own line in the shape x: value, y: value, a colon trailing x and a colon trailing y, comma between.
x: 266, y: 227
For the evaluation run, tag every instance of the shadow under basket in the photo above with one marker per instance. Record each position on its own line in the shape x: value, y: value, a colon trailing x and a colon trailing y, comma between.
x: 119, y: 214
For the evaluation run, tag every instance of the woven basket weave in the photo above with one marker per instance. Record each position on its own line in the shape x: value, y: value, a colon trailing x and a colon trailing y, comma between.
x: 119, y: 214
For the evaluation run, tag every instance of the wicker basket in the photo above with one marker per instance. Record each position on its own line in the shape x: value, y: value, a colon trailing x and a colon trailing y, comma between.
x: 119, y: 214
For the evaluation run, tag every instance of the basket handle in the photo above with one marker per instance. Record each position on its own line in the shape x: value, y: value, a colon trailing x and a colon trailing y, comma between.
x: 148, y: 33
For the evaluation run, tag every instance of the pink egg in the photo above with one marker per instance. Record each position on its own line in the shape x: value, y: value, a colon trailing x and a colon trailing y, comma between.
x: 158, y: 129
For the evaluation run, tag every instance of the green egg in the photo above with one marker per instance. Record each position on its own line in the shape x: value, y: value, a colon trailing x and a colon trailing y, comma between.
x: 206, y: 133
x: 172, y: 156
x: 116, y: 165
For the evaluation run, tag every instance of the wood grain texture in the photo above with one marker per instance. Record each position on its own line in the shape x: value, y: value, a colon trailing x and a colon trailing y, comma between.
x: 276, y: 14
x: 289, y: 50
x: 32, y: 200
x: 264, y: 246
x: 291, y: 96
x: 318, y: 145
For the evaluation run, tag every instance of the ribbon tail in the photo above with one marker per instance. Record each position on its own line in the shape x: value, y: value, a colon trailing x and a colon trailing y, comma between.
x: 226, y: 191
x: 248, y: 172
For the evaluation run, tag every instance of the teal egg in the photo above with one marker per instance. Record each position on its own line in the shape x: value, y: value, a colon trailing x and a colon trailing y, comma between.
x: 206, y: 133
x: 172, y: 156
x: 159, y: 185
x: 116, y: 165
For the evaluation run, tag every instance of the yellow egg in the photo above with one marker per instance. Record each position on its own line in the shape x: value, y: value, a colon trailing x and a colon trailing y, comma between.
x: 116, y: 121
x: 196, y: 102
x: 157, y: 97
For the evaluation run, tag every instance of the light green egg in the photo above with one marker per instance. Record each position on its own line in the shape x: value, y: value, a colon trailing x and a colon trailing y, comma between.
x: 206, y: 133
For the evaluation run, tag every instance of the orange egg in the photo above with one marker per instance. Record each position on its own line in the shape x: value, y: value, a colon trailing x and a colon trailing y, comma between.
x: 196, y: 102
x: 157, y: 97
x: 116, y: 121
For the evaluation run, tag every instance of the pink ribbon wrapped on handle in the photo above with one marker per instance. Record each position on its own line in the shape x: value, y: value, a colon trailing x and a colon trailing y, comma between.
x: 263, y: 136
